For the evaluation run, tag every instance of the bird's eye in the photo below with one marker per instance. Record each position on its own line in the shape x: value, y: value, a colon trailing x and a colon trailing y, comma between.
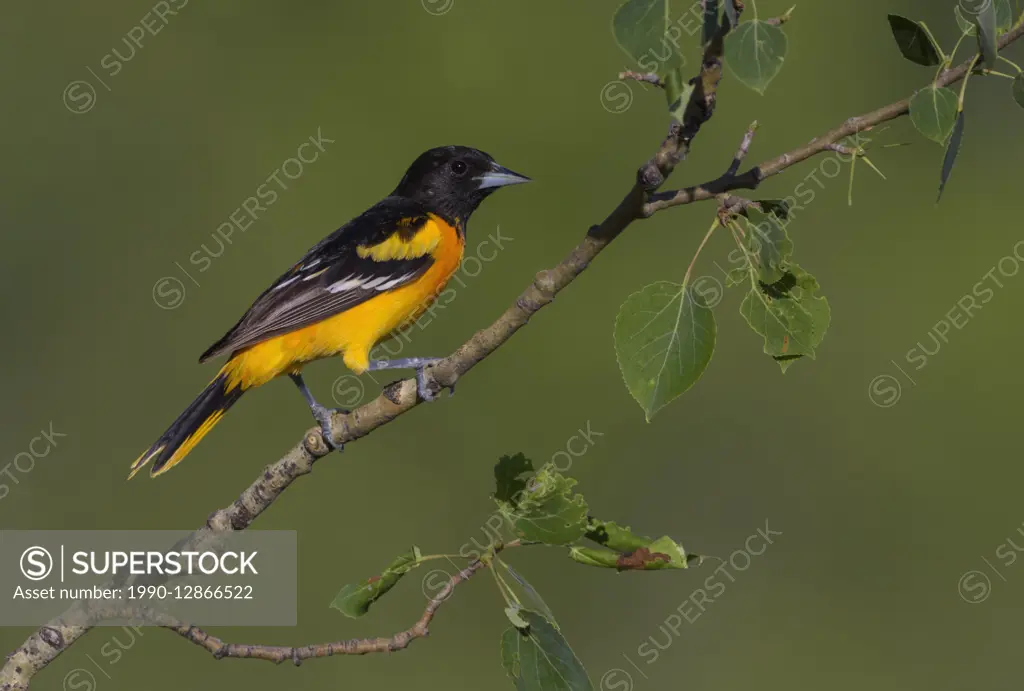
x: 459, y: 168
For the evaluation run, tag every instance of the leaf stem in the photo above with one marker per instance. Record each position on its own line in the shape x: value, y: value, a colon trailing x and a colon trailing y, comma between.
x: 689, y: 269
x: 1011, y: 62
x: 942, y: 55
x: 952, y: 56
x: 993, y: 73
x: 963, y: 85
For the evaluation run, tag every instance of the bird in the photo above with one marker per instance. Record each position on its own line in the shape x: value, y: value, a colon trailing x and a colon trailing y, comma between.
x: 353, y: 289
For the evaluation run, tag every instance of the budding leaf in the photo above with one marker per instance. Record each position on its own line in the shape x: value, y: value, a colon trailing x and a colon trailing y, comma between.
x: 933, y: 111
x: 354, y: 600
x: 641, y: 30
x: 538, y: 658
x: 549, y: 511
x: 952, y: 149
x: 664, y: 339
x: 754, y: 52
x: 913, y: 41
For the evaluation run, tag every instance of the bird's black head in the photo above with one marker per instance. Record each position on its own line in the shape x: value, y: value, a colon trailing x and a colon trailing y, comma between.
x: 452, y: 181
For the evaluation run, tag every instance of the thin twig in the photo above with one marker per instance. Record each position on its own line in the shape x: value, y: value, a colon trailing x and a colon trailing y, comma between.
x: 755, y: 176
x: 355, y: 646
x: 646, y: 77
x: 741, y: 153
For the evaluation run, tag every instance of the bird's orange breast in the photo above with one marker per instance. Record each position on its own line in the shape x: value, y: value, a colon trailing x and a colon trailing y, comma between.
x: 355, y: 331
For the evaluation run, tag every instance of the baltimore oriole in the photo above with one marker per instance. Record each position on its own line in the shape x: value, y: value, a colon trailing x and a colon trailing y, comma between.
x: 354, y: 288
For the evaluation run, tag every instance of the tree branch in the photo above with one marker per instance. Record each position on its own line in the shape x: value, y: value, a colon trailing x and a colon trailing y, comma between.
x: 640, y: 202
x: 355, y: 646
x: 756, y: 175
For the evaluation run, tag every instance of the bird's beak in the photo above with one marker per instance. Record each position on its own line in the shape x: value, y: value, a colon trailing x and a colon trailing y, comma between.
x: 499, y: 176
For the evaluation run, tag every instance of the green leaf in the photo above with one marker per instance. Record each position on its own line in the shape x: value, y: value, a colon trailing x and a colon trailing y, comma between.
x: 591, y: 556
x: 514, y: 616
x: 354, y: 600
x: 769, y: 241
x: 789, y: 314
x: 614, y: 536
x: 663, y: 553
x: 677, y: 92
x: 777, y: 207
x: 538, y: 658
x: 641, y: 30
x: 952, y: 149
x: 967, y: 26
x: 1004, y: 18
x: 933, y: 112
x: 755, y: 51
x: 987, y: 31
x: 548, y: 510
x: 519, y: 589
x: 913, y: 41
x: 664, y: 339
x: 508, y: 477
x: 1018, y: 89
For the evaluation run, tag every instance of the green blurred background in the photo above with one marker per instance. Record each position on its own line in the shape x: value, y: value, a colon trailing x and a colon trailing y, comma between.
x: 881, y: 509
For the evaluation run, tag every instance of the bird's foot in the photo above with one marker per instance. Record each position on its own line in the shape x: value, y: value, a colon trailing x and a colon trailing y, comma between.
x: 426, y: 388
x: 322, y: 414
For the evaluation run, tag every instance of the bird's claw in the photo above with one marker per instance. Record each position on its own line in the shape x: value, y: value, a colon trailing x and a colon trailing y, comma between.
x: 423, y: 386
x: 322, y: 414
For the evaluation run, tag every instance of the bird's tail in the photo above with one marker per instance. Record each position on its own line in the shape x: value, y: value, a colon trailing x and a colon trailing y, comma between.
x: 191, y: 426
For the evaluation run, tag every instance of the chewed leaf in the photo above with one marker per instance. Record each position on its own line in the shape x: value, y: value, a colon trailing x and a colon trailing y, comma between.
x: 913, y: 41
x: 614, y: 536
x: 663, y: 553
x: 355, y: 599
x: 755, y: 51
x: 641, y: 30
x: 508, y: 477
x: 549, y: 511
x: 538, y: 658
x: 933, y: 112
x: 664, y: 339
x: 769, y: 241
x: 789, y: 315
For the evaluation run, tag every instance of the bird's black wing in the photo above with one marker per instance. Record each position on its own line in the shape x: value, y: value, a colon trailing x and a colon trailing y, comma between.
x: 386, y: 247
